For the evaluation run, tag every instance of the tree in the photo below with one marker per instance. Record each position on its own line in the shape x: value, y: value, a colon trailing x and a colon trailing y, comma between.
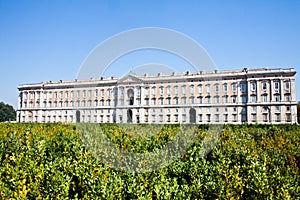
x: 7, y: 112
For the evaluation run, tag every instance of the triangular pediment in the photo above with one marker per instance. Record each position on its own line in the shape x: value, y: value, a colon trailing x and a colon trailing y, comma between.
x: 130, y: 78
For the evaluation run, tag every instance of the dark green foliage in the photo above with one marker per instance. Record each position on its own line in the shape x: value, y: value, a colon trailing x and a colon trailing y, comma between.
x: 50, y: 161
x: 7, y: 112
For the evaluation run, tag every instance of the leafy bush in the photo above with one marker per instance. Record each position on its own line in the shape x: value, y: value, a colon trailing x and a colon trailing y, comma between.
x: 50, y: 161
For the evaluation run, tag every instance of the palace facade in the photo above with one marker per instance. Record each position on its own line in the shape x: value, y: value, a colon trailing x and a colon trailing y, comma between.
x: 234, y: 96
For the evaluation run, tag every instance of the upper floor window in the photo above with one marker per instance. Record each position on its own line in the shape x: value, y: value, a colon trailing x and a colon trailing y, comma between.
x: 192, y: 89
x: 102, y: 92
x: 199, y: 88
x: 264, y: 85
x: 225, y: 87
x: 168, y: 90
x: 183, y: 89
x: 161, y: 90
x: 233, y: 87
x: 265, y: 98
x: 243, y: 87
x: 153, y: 90
x: 287, y: 85
x: 276, y: 85
x: 146, y: 91
x: 184, y: 100
x: 208, y: 88
x: 253, y: 86
x: 217, y: 87
x: 176, y: 89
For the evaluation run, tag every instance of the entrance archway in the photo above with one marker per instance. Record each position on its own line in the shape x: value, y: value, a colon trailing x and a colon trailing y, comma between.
x: 192, y: 115
x: 129, y: 116
x: 77, y: 116
x: 130, y: 94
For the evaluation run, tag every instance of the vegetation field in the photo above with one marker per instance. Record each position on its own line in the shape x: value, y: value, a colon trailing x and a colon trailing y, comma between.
x: 51, y: 161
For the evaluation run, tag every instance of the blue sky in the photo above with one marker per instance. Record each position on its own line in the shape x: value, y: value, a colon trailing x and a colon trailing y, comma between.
x: 49, y: 40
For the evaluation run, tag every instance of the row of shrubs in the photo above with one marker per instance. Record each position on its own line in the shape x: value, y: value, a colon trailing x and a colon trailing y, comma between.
x: 51, y: 161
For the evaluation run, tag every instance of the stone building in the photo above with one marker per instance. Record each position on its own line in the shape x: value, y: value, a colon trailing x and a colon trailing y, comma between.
x: 233, y: 96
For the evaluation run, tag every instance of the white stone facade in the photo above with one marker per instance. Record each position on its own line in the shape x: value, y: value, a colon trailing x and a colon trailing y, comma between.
x: 235, y: 96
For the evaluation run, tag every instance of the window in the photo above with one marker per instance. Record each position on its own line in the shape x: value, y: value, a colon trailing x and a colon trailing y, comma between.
x: 147, y: 91
x: 183, y: 90
x: 161, y: 90
x: 208, y: 88
x: 287, y: 85
x: 154, y: 101
x: 176, y: 100
x: 276, y: 85
x: 225, y: 98
x: 191, y: 89
x: 233, y: 87
x: 244, y: 99
x: 217, y: 99
x: 225, y: 87
x: 200, y: 89
x: 278, y: 117
x: 264, y: 85
x: 244, y: 87
x: 84, y: 93
x: 217, y: 87
x: 277, y: 97
x: 72, y: 94
x: 108, y: 102
x: 233, y: 99
x: 102, y: 92
x: 192, y: 100
x: 168, y: 90
x: 55, y: 94
x: 147, y: 101
x: 161, y: 101
x: 200, y: 100
x: 253, y: 98
x: 176, y: 89
x: 96, y: 103
x: 183, y: 100
x: 208, y: 99
x: 265, y: 98
x: 277, y: 108
x: 287, y: 97
x: 153, y: 91
x: 168, y: 101
x: 253, y: 86
x: 96, y: 93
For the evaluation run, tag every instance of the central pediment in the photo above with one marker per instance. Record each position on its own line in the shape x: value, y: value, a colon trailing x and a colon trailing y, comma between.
x: 130, y: 78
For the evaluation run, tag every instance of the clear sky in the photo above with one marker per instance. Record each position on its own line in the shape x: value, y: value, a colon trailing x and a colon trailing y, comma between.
x: 49, y: 40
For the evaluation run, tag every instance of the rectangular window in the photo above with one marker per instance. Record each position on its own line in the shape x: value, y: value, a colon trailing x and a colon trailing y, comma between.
x: 244, y: 87
x: 191, y: 89
x: 154, y: 101
x: 276, y: 85
x: 168, y: 90
x: 225, y: 88
x: 200, y: 89
x: 233, y: 87
x: 265, y: 98
x: 208, y: 100
x: 253, y: 98
x: 287, y: 85
x: 176, y: 90
x: 161, y: 90
x: 208, y: 88
x: 253, y: 86
x: 183, y: 90
x: 264, y: 85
